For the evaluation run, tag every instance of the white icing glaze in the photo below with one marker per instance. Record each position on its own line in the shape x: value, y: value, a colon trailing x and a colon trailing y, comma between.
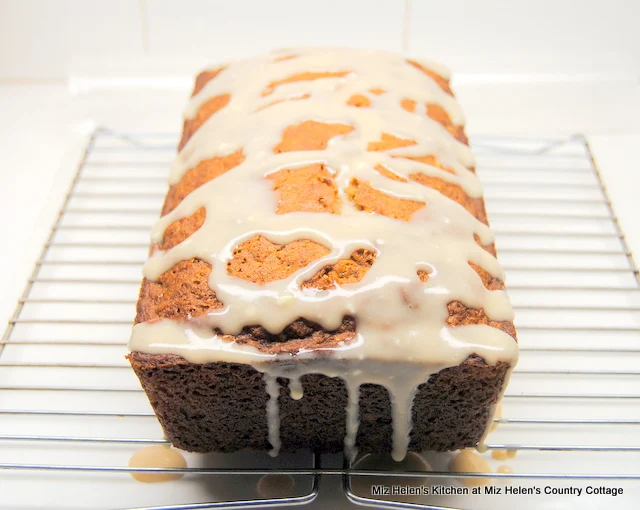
x: 273, y: 417
x: 402, y: 335
x: 353, y: 420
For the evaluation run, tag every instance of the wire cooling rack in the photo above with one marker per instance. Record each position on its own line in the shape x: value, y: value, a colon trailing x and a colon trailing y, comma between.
x: 72, y: 412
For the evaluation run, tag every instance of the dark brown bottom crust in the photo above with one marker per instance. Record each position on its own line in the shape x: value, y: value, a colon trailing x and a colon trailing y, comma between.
x: 221, y: 407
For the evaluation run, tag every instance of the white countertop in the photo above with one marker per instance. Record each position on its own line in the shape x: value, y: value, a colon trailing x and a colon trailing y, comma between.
x: 35, y: 132
x: 42, y: 132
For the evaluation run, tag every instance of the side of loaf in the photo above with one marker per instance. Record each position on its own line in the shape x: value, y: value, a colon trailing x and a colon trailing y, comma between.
x: 323, y: 275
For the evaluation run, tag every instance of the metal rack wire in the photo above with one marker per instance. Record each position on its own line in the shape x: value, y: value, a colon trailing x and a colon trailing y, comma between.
x: 64, y: 383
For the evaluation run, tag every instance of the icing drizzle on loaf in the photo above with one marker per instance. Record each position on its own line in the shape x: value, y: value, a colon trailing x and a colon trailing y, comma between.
x: 427, y: 244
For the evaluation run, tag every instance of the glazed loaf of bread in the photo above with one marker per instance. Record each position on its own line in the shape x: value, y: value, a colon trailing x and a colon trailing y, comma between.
x: 323, y: 275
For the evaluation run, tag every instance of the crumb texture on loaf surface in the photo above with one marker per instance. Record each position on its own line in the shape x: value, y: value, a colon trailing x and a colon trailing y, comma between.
x: 324, y: 209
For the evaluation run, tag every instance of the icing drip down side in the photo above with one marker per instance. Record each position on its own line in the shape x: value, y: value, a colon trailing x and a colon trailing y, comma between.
x: 428, y: 246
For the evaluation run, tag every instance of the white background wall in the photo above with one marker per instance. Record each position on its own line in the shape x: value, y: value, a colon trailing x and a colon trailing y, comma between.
x: 41, y: 39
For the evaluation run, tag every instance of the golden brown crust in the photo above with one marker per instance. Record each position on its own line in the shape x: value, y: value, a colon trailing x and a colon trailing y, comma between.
x: 383, y: 170
x: 430, y: 160
x: 215, y: 104
x: 388, y: 141
x: 440, y: 115
x: 310, y: 136
x: 203, y: 78
x: 443, y: 83
x: 474, y: 205
x: 310, y: 188
x: 359, y: 100
x: 409, y: 104
x: 179, y: 230
x: 489, y: 281
x: 203, y: 172
x: 423, y: 275
x: 181, y: 293
x: 343, y: 272
x: 491, y: 248
x: 367, y: 198
x: 261, y: 261
x: 210, y: 107
x: 461, y: 315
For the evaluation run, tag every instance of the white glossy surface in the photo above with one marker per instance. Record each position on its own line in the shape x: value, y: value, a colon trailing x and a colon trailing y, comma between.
x: 35, y: 132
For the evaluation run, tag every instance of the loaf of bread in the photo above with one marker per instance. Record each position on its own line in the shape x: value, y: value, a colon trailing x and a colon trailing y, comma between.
x: 323, y: 275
